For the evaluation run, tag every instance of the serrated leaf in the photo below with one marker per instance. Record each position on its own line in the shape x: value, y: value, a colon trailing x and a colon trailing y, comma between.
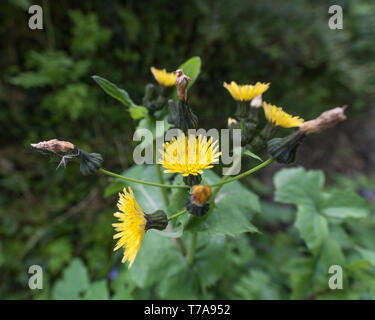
x: 345, y: 204
x: 234, y: 208
x: 332, y: 253
x: 75, y: 280
x: 298, y: 186
x: 368, y: 255
x: 209, y: 258
x: 97, y: 291
x: 312, y: 226
x: 157, y: 257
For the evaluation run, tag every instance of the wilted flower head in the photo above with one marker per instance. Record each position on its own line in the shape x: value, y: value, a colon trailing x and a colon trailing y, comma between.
x: 245, y: 92
x: 182, y: 82
x: 89, y: 162
x: 189, y: 155
x: 166, y: 79
x: 198, y: 202
x: 278, y: 117
x: 133, y: 225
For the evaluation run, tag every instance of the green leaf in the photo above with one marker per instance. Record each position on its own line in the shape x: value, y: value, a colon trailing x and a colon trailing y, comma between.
x: 191, y: 68
x: 312, y: 226
x: 115, y: 187
x: 251, y: 155
x: 298, y: 186
x: 366, y: 254
x: 97, y: 291
x: 149, y: 198
x: 345, y: 204
x: 210, y: 258
x: 157, y: 257
x: 235, y: 206
x: 332, y: 254
x: 299, y: 265
x: 136, y: 112
x: 75, y: 280
x: 175, y: 234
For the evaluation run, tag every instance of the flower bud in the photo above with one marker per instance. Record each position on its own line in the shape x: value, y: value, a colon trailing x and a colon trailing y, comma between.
x: 284, y: 149
x: 198, y: 202
x: 172, y: 114
x: 185, y: 118
x: 89, y: 163
x: 257, y: 102
x: 157, y: 220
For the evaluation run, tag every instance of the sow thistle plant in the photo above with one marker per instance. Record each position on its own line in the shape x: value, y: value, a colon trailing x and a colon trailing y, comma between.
x: 189, y: 155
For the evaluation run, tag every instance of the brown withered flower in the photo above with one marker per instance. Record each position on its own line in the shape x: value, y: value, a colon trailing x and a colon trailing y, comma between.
x: 284, y: 149
x: 327, y: 119
x: 182, y: 82
x: 89, y: 162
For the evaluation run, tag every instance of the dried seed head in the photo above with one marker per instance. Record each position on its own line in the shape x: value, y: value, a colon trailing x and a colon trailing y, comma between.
x: 182, y: 82
x: 54, y: 145
x: 327, y: 119
x: 200, y: 195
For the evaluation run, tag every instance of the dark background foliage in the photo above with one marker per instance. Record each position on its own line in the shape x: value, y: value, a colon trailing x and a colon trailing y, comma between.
x: 48, y: 217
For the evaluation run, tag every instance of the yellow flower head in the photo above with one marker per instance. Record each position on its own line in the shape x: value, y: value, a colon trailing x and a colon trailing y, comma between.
x: 189, y: 155
x: 132, y: 226
x: 166, y: 79
x: 280, y: 118
x: 246, y: 92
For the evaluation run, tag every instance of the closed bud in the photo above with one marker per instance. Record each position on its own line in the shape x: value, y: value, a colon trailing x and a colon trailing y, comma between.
x: 284, y: 149
x: 157, y: 220
x: 192, y: 180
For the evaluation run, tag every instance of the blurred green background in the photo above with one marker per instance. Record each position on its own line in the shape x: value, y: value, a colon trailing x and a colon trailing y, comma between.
x: 50, y: 217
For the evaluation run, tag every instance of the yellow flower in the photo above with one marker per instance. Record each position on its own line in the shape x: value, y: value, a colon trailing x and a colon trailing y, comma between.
x: 189, y: 155
x: 280, y: 118
x: 132, y: 226
x: 166, y: 79
x: 246, y: 92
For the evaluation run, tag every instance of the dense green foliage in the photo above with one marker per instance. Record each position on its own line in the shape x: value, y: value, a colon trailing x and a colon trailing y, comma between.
x: 61, y: 221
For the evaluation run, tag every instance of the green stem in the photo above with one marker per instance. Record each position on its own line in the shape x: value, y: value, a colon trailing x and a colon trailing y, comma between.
x: 109, y: 173
x: 191, y: 253
x: 163, y: 190
x: 177, y: 215
x: 244, y: 174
